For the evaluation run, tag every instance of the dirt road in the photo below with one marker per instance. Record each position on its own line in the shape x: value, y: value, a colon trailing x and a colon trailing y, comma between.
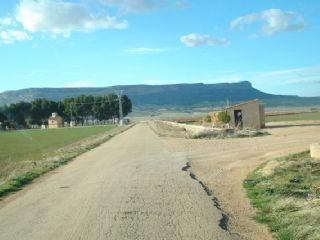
x: 132, y: 187
x: 129, y: 188
x: 222, y: 165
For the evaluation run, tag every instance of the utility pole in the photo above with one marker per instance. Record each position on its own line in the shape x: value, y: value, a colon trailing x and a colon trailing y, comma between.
x: 71, y: 113
x: 228, y: 104
x: 120, y: 108
x: 72, y: 109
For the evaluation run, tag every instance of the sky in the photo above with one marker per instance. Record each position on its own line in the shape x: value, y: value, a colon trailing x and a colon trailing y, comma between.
x: 274, y: 44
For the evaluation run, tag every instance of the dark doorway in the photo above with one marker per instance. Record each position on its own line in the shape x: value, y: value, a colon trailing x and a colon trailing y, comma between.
x: 238, y: 118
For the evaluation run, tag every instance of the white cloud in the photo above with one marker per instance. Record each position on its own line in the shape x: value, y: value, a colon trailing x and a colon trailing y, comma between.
x: 61, y: 17
x: 10, y: 36
x: 144, y: 50
x: 273, y: 21
x: 193, y: 40
x: 79, y: 84
x: 138, y: 6
x: 8, y: 21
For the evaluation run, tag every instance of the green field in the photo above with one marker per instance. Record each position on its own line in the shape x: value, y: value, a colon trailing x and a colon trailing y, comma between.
x: 294, y: 117
x: 29, y: 147
x: 286, y: 193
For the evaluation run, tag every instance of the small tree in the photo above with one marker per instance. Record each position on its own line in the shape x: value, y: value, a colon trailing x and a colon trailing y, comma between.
x: 126, y: 105
x: 3, y: 120
x: 224, y: 117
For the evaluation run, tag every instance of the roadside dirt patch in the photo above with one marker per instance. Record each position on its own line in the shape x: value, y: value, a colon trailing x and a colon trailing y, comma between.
x: 222, y: 165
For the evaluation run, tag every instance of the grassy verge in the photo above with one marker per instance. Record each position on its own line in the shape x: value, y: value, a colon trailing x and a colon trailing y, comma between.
x: 25, y: 172
x: 287, y: 196
x: 17, y: 183
x: 294, y: 117
x: 20, y: 149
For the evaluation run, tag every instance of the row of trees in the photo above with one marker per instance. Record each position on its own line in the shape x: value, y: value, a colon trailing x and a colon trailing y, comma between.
x: 79, y: 109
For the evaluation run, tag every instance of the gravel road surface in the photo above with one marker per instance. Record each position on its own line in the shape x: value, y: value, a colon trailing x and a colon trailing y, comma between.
x: 131, y: 187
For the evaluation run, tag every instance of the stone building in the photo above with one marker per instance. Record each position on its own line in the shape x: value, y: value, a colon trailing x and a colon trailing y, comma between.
x: 55, y: 121
x: 244, y: 115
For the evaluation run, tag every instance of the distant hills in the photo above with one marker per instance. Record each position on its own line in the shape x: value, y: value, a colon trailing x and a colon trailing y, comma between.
x: 182, y: 95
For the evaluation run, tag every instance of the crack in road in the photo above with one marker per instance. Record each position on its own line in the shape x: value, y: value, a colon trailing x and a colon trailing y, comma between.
x: 223, y: 223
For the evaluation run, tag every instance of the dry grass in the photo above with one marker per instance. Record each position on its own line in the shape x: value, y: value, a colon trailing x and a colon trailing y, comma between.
x: 288, y: 197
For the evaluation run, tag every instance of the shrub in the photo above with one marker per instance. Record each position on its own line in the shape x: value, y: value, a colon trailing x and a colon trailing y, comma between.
x: 207, y: 119
x: 224, y: 117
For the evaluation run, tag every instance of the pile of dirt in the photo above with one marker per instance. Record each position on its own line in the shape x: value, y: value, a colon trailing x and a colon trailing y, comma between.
x: 166, y: 130
x: 172, y: 129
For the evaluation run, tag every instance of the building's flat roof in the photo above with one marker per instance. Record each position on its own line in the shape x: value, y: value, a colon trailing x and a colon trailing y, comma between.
x: 236, y: 105
x: 243, y: 103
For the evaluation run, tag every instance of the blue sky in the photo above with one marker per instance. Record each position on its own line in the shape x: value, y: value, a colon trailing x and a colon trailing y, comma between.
x: 89, y: 43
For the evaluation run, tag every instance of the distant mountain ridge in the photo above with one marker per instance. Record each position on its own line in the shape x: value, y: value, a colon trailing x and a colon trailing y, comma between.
x: 165, y: 95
